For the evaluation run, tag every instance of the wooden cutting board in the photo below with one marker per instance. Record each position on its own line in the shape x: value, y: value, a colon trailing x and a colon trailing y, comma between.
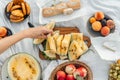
x: 68, y: 30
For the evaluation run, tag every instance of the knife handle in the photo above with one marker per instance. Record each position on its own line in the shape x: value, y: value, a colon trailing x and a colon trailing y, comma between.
x: 30, y: 25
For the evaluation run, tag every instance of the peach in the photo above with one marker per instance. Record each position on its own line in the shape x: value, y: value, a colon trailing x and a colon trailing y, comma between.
x: 69, y: 69
x: 83, y: 71
x: 96, y: 26
x: 105, y: 31
x: 99, y: 15
x: 80, y: 72
x: 3, y: 31
x: 61, y: 74
x: 70, y: 77
x: 92, y: 20
x: 110, y: 24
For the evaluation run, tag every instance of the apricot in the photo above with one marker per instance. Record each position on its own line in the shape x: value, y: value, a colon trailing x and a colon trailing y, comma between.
x: 96, y: 26
x: 118, y: 61
x: 105, y: 31
x: 99, y: 15
x: 110, y: 24
x: 3, y: 31
x: 92, y: 20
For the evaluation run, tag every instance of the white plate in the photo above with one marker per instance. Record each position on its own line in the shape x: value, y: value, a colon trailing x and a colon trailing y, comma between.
x: 107, y: 53
x: 4, y: 72
x: 61, y: 17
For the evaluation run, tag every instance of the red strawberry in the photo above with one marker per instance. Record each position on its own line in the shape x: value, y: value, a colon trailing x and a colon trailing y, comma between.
x: 70, y: 77
x: 61, y: 75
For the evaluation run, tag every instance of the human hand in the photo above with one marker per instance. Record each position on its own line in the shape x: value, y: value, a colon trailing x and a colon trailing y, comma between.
x: 37, y: 32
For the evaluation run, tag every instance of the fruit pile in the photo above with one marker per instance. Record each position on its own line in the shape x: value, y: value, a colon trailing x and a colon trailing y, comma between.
x: 114, y: 73
x: 4, y: 32
x: 68, y: 46
x: 102, y: 23
x: 71, y: 72
x: 17, y: 10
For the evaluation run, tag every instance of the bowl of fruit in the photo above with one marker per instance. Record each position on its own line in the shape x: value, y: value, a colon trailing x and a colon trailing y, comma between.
x: 100, y: 24
x: 4, y: 32
x: 114, y: 72
x: 17, y: 10
x: 72, y: 70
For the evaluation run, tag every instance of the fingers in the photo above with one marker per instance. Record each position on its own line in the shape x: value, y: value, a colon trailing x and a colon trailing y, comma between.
x: 41, y: 32
x: 46, y: 32
x: 42, y: 36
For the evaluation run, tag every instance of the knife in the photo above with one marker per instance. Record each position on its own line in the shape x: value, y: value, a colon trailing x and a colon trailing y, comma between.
x: 30, y: 25
x: 112, y: 45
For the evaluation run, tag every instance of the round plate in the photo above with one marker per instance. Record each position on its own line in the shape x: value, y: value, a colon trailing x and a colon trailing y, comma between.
x: 4, y: 72
x: 7, y: 14
x: 94, y: 33
x: 77, y: 65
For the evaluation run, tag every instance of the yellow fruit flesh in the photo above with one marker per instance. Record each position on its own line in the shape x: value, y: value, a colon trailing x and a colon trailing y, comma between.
x: 63, y: 57
x: 55, y: 36
x: 23, y: 67
x: 52, y: 44
x: 77, y: 36
x: 50, y: 54
x: 65, y: 44
x: 84, y: 46
x: 50, y: 25
x: 47, y: 47
x: 59, y: 44
x: 74, y: 50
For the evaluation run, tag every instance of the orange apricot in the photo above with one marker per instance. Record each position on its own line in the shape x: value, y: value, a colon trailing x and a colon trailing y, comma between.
x: 99, y: 15
x: 3, y: 31
x: 96, y: 26
x: 92, y: 20
x: 105, y: 31
x: 118, y: 61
